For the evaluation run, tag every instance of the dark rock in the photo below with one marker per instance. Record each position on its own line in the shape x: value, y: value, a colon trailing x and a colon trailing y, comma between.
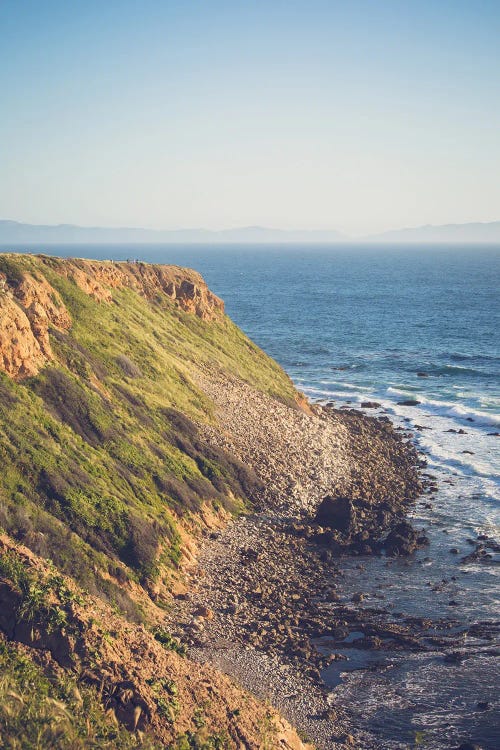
x: 409, y: 402
x: 370, y: 405
x: 482, y: 706
x: 336, y: 513
x: 403, y: 540
x: 422, y: 374
x: 454, y: 657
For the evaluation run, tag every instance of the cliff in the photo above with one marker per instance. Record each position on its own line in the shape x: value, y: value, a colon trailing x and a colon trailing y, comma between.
x: 108, y: 481
x: 30, y: 305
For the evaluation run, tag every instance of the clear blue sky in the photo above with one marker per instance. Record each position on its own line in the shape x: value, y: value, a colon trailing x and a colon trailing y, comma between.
x: 361, y: 116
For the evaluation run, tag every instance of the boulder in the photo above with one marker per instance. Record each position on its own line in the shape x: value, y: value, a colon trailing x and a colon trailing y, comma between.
x: 336, y: 513
x: 403, y: 540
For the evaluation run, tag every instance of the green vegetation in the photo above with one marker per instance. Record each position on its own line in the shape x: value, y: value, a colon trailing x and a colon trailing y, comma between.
x: 38, y: 713
x: 103, y: 461
x: 101, y: 452
x: 201, y: 740
x: 36, y: 593
x: 169, y: 642
x: 165, y: 695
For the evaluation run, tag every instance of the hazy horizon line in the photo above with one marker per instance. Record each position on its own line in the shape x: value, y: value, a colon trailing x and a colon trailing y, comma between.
x: 342, y: 235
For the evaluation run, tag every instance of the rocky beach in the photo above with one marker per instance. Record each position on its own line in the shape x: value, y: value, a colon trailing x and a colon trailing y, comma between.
x: 264, y: 601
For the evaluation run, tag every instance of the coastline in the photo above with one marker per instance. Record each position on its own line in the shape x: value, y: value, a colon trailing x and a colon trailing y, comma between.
x: 262, y: 602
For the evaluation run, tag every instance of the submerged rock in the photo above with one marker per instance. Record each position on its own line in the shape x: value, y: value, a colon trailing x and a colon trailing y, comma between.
x: 404, y: 539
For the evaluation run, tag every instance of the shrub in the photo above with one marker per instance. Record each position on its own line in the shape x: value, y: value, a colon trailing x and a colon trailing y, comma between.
x: 169, y: 642
x: 11, y: 269
x: 142, y: 548
x: 130, y: 369
x: 67, y: 400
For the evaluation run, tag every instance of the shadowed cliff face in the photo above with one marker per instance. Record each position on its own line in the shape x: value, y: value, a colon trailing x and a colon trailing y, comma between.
x: 30, y: 306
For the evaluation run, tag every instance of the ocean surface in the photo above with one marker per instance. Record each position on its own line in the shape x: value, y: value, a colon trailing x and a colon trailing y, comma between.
x: 357, y: 324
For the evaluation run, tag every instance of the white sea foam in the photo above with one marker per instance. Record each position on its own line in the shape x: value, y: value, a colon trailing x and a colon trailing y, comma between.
x: 341, y: 384
x: 465, y: 464
x: 399, y: 391
x: 449, y: 408
x: 331, y: 393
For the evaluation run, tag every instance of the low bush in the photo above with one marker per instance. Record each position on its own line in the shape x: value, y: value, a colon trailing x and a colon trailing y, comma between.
x: 74, y: 405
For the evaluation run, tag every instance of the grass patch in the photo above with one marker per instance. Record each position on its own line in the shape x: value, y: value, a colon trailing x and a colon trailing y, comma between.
x: 38, y: 713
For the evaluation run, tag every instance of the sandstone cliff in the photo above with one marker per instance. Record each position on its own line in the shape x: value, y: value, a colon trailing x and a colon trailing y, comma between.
x: 30, y: 306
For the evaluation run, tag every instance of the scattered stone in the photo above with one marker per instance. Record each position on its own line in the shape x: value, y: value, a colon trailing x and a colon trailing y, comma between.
x: 204, y: 612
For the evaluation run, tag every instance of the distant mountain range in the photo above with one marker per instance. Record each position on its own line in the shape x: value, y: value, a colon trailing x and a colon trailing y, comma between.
x: 15, y: 233
x: 487, y: 232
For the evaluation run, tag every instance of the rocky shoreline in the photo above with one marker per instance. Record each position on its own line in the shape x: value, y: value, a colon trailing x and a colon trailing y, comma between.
x: 263, y: 601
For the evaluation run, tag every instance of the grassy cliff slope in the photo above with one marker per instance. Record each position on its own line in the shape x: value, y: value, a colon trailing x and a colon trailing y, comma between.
x: 106, y: 478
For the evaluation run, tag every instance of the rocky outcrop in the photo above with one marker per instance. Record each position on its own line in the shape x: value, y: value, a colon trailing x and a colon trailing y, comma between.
x: 336, y: 513
x: 182, y: 285
x: 44, y: 308
x: 27, y: 310
x: 20, y: 352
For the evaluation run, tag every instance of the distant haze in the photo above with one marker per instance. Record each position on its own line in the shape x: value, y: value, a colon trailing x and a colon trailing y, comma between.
x: 16, y: 234
x: 303, y: 115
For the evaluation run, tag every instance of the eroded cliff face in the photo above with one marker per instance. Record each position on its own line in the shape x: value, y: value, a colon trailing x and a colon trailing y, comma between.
x: 30, y: 306
x: 183, y: 285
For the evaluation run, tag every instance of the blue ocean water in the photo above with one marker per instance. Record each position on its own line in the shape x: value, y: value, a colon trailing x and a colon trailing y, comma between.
x: 357, y: 324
